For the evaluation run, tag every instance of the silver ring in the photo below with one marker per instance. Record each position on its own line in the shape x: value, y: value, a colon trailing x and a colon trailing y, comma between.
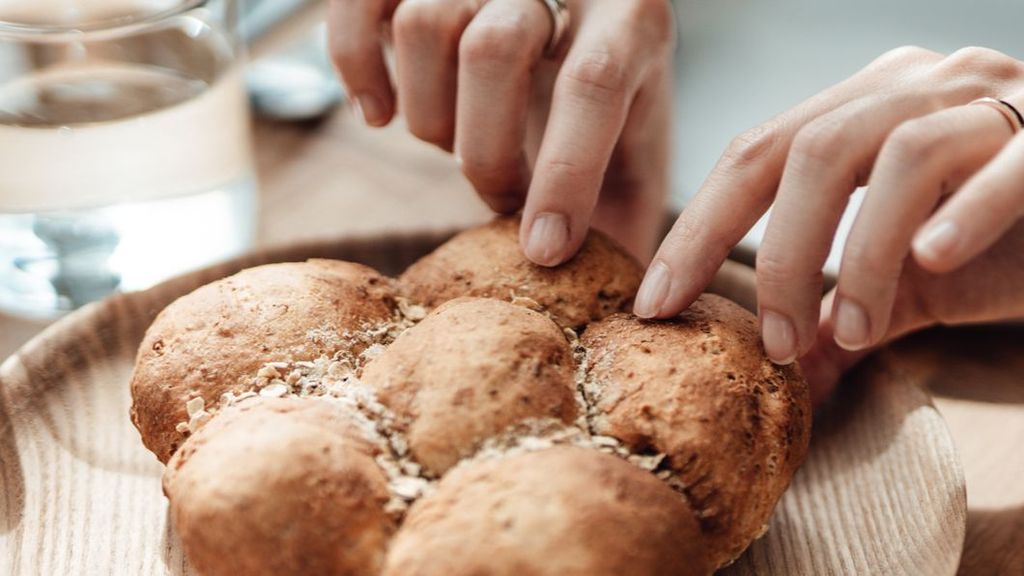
x: 1009, y: 111
x: 559, y: 26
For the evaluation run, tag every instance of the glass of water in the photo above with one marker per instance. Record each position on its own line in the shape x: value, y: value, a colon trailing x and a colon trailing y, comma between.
x: 125, y: 147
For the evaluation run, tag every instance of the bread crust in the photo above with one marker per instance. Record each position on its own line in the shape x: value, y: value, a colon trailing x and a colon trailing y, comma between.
x: 638, y: 447
x: 216, y: 338
x: 279, y: 486
x: 564, y: 511
x: 487, y: 261
x: 468, y: 371
x: 700, y: 389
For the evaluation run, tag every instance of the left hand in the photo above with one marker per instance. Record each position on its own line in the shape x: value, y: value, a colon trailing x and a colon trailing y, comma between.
x: 572, y: 136
x: 902, y: 126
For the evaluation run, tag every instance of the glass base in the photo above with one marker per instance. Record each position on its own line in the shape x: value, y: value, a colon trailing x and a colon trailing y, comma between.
x: 54, y: 262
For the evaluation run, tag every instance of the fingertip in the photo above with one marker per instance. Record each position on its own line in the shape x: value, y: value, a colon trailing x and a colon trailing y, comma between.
x: 503, y: 189
x: 545, y: 239
x: 936, y: 246
x: 372, y: 110
x: 851, y: 325
x: 779, y: 337
x: 504, y: 204
x: 654, y: 291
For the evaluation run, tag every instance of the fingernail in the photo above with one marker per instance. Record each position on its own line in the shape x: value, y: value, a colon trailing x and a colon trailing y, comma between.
x: 852, y: 330
x: 653, y: 290
x: 937, y: 241
x: 779, y: 337
x: 369, y: 109
x: 548, y: 236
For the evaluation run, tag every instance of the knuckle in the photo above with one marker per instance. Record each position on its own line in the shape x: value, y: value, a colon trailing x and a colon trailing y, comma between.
x: 984, y: 62
x: 565, y: 170
x: 866, y: 261
x: 773, y: 270
x: 597, y: 76
x: 905, y: 54
x: 423, y: 18
x: 823, y: 140
x: 691, y: 235
x: 495, y: 42
x: 914, y: 142
x: 655, y: 20
x: 751, y: 146
x: 683, y: 234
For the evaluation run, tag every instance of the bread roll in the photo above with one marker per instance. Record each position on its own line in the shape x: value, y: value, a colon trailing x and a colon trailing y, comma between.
x: 468, y: 371
x: 700, y: 389
x: 487, y: 261
x: 279, y: 487
x: 563, y: 511
x: 216, y: 338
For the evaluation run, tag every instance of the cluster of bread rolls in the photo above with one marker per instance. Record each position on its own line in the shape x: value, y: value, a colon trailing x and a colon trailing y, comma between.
x: 477, y: 415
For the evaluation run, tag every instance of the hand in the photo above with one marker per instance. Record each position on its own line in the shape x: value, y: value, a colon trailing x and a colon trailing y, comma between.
x: 903, y: 127
x: 988, y: 288
x: 471, y: 76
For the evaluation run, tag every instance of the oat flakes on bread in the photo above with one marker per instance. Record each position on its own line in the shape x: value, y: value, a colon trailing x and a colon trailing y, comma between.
x: 279, y: 486
x: 215, y: 339
x: 469, y: 370
x: 734, y: 427
x: 564, y: 511
x: 487, y: 261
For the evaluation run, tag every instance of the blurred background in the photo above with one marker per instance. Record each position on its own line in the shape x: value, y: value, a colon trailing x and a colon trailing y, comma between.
x: 740, y: 62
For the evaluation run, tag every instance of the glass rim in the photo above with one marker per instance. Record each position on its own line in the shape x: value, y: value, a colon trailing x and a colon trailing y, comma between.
x: 127, y: 22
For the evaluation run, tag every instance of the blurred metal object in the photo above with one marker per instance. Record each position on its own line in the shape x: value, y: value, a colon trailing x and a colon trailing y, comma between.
x: 260, y: 16
x: 296, y: 84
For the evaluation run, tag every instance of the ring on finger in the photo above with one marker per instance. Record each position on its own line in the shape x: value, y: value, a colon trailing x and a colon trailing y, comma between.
x: 1009, y: 111
x: 560, y: 21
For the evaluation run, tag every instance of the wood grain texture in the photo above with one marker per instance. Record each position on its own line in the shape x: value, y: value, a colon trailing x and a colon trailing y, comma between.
x: 977, y: 377
x: 881, y: 492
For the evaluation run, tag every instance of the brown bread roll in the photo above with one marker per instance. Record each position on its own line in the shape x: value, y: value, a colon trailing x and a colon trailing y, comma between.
x: 510, y: 445
x: 468, y: 371
x: 564, y: 511
x: 215, y: 339
x: 487, y: 261
x: 279, y: 486
x: 699, y: 389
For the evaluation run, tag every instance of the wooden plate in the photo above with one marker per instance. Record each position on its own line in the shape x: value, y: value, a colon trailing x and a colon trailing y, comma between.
x: 882, y: 491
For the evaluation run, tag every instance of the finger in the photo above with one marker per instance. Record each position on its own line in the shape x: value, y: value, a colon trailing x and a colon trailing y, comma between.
x: 631, y: 207
x: 980, y: 213
x: 825, y: 363
x: 612, y: 54
x: 426, y: 40
x: 497, y: 53
x: 741, y: 188
x: 355, y: 44
x: 828, y: 159
x: 920, y: 160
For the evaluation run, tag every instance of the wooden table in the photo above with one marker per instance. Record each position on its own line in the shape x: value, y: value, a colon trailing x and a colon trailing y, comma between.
x: 340, y: 178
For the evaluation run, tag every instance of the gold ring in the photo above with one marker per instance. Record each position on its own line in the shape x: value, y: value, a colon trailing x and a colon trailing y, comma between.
x: 1009, y: 111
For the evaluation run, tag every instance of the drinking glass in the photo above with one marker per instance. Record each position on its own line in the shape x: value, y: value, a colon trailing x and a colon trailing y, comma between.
x: 125, y: 146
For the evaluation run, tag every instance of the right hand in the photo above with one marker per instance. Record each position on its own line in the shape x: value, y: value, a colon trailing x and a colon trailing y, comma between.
x: 578, y: 137
x: 945, y: 188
